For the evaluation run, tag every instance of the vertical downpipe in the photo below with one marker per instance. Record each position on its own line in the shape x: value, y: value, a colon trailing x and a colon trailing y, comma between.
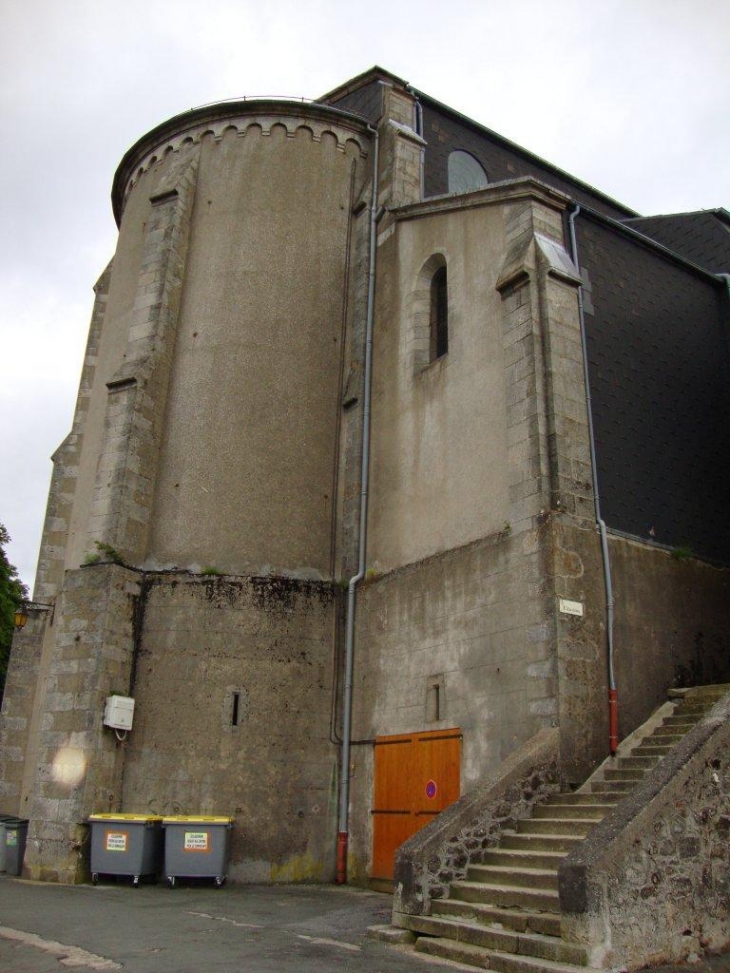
x: 344, y: 802
x: 612, y: 692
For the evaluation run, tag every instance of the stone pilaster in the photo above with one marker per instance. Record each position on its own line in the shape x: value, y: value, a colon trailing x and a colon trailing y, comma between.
x: 57, y: 524
x: 550, y: 468
x: 124, y: 489
x: 79, y: 763
x: 401, y: 151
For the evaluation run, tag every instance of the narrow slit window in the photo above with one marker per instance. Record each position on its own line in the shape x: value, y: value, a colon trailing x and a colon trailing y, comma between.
x: 439, y: 315
x: 235, y: 709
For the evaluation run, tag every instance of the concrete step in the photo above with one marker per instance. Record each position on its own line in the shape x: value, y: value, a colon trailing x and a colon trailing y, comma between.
x: 652, y: 751
x: 550, y: 948
x: 522, y: 858
x: 695, y: 706
x: 638, y: 761
x: 506, y: 896
x: 675, y: 731
x: 679, y: 719
x: 621, y: 774
x: 520, y: 920
x: 619, y: 788
x: 530, y: 878
x: 711, y: 693
x: 541, y: 842
x: 575, y: 827
x: 481, y: 958
x: 589, y: 812
x: 579, y: 798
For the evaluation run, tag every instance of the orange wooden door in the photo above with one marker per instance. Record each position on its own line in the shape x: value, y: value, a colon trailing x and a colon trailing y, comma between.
x: 417, y: 775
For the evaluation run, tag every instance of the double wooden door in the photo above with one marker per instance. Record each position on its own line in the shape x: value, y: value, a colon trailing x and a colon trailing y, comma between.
x: 417, y: 775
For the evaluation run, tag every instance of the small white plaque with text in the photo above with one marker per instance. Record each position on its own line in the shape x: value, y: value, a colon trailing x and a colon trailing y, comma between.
x: 571, y: 607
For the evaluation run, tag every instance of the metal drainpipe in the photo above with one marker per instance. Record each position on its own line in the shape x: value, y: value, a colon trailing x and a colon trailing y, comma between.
x: 612, y: 693
x: 343, y: 818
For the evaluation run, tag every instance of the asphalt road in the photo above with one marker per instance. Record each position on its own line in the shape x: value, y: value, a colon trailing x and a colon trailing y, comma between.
x: 152, y: 929
x: 198, y: 929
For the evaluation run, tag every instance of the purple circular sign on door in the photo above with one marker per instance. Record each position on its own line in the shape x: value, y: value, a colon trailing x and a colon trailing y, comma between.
x: 431, y: 789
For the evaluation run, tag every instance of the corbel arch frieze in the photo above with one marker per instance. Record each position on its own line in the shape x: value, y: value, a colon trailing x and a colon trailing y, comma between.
x: 255, y: 125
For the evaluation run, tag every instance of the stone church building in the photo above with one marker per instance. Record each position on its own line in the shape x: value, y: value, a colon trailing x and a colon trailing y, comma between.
x: 396, y: 450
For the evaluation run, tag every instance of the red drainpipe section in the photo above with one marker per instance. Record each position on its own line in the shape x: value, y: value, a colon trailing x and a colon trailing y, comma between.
x: 341, y: 857
x: 613, y: 720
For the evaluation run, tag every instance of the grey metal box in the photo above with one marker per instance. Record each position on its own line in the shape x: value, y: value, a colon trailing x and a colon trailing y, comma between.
x: 197, y: 847
x: 125, y: 844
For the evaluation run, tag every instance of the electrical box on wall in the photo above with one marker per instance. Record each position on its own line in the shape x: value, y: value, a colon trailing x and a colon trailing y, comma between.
x: 119, y: 712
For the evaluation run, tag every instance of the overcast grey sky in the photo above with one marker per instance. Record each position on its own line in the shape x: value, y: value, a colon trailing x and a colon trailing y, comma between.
x: 631, y: 96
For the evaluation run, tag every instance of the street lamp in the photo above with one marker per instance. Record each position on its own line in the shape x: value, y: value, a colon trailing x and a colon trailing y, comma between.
x: 25, y: 607
x: 21, y: 615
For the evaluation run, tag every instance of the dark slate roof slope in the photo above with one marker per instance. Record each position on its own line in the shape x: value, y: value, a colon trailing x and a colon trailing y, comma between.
x: 446, y: 129
x: 702, y: 237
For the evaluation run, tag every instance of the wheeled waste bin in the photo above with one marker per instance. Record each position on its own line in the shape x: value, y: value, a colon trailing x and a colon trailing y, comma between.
x: 125, y: 844
x: 196, y: 847
x: 16, y: 832
x: 3, y: 819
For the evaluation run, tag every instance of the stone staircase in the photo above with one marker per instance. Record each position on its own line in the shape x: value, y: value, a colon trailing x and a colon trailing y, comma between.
x: 505, y: 914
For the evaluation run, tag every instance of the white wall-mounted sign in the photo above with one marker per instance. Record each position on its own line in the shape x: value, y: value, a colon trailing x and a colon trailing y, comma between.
x: 571, y: 607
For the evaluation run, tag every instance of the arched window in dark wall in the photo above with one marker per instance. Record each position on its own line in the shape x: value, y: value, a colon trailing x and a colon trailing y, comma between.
x: 465, y: 173
x: 439, y: 330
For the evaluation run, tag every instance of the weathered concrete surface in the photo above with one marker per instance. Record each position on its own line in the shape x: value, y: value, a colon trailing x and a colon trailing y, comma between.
x: 442, y: 851
x: 19, y: 701
x: 79, y: 763
x: 282, y: 929
x: 651, y: 883
x: 233, y: 685
x: 672, y: 626
x: 475, y: 619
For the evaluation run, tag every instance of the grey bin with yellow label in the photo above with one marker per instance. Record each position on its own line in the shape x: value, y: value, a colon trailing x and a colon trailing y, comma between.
x: 125, y: 844
x: 196, y: 847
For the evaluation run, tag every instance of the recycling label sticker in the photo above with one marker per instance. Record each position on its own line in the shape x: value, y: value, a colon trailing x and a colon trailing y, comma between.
x: 196, y: 841
x: 116, y: 841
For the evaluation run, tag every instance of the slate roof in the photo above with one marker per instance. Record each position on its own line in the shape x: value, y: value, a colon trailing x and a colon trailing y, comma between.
x: 702, y: 237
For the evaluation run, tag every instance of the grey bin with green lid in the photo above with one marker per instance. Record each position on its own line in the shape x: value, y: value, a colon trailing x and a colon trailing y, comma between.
x: 197, y: 847
x: 125, y: 844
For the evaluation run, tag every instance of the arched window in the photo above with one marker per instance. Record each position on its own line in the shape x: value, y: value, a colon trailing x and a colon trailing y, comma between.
x: 465, y: 173
x: 428, y: 338
x: 439, y: 315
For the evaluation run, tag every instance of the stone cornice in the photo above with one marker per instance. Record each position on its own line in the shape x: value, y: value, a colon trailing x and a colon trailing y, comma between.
x: 494, y: 194
x: 190, y: 127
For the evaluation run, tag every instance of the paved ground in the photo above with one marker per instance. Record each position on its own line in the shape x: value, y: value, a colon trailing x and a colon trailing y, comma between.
x: 243, y: 929
x: 151, y: 929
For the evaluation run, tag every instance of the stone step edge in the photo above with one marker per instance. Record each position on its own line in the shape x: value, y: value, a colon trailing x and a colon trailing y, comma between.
x: 484, y: 914
x: 532, y: 942
x: 476, y: 955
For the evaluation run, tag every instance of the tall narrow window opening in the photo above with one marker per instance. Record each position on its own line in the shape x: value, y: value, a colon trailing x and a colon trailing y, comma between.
x: 439, y: 315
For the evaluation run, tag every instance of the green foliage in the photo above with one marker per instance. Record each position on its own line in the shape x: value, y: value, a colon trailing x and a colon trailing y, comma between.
x: 212, y: 572
x: 104, y: 554
x: 12, y: 592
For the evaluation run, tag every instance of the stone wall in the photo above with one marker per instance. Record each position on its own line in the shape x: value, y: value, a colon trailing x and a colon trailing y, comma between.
x: 651, y: 883
x: 79, y: 764
x: 233, y: 686
x: 477, y: 621
x: 672, y: 626
x: 442, y: 851
x: 17, y: 709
